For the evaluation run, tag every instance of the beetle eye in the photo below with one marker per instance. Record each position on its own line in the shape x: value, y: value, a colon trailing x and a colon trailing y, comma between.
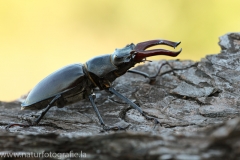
x: 117, y: 58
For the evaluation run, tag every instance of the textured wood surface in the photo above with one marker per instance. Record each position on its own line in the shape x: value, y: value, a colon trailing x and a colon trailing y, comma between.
x: 197, y: 104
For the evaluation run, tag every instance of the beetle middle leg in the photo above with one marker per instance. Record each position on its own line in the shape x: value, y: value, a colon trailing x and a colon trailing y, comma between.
x: 39, y: 118
x: 152, y: 78
x: 106, y: 128
x: 112, y: 90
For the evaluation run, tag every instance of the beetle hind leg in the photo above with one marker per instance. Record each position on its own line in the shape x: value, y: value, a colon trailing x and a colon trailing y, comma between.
x: 46, y: 110
x: 16, y: 124
x: 38, y: 119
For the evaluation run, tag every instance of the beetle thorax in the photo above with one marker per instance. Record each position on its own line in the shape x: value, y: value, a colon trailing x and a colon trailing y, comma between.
x: 106, y: 68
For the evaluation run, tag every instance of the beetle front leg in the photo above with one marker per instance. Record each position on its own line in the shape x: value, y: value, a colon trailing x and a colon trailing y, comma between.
x: 133, y: 105
x: 151, y: 78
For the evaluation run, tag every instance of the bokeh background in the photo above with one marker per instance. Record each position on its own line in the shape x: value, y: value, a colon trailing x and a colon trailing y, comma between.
x: 39, y: 36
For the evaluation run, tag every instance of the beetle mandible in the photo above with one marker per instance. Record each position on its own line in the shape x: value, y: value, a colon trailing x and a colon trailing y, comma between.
x: 76, y: 82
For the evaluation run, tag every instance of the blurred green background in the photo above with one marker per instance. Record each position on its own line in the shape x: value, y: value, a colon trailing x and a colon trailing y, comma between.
x: 39, y: 36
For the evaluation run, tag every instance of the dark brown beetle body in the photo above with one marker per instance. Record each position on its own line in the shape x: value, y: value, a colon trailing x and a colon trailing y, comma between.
x: 75, y: 82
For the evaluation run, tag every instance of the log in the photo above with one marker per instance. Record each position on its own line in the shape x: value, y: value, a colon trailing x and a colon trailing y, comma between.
x: 196, y: 103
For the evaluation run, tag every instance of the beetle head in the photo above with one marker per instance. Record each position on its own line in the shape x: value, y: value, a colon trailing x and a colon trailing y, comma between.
x: 123, y: 55
x: 138, y: 53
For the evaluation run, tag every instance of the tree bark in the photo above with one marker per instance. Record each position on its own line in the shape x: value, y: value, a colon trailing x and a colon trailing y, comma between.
x: 196, y: 103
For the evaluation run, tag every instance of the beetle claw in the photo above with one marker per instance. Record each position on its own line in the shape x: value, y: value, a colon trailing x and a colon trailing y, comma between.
x: 114, y: 128
x: 105, y: 128
x: 152, y: 80
x: 7, y: 128
x: 117, y: 128
x: 156, y: 121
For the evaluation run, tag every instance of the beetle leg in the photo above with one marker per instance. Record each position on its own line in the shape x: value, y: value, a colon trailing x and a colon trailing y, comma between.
x: 151, y: 118
x: 112, y: 90
x: 125, y: 99
x: 105, y: 128
x: 16, y: 124
x: 46, y: 110
x: 38, y: 119
x: 91, y: 98
x: 115, y: 128
x: 152, y: 78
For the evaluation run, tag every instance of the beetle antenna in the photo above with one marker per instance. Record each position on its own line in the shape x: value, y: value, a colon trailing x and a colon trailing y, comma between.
x: 148, y: 60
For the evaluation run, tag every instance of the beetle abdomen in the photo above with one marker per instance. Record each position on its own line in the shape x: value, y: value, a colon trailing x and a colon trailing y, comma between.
x: 60, y: 81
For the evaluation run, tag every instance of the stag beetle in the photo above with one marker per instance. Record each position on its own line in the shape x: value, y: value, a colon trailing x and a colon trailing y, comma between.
x: 75, y: 82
